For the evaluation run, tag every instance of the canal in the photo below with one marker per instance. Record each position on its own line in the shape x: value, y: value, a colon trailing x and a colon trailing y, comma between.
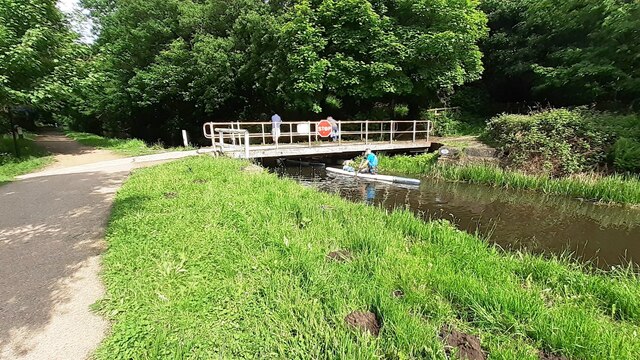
x: 603, y: 235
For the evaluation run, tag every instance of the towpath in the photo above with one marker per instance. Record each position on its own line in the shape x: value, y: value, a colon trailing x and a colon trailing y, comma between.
x: 52, y: 226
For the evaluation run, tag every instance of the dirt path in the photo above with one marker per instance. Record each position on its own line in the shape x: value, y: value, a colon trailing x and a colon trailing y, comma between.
x: 51, y: 238
x: 70, y: 153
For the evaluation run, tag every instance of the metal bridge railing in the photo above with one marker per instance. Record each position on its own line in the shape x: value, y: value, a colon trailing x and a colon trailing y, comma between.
x: 243, y: 132
x: 227, y: 135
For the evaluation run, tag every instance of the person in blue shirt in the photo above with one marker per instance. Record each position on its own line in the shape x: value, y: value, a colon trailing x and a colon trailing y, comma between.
x: 370, y: 162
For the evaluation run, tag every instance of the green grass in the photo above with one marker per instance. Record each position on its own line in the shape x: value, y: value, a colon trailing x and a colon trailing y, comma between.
x: 32, y: 157
x: 128, y: 147
x: 622, y: 189
x: 205, y: 261
x: 406, y: 164
x: 609, y: 189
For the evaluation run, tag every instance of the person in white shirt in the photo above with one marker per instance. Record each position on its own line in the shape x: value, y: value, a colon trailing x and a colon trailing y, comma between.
x: 275, y: 127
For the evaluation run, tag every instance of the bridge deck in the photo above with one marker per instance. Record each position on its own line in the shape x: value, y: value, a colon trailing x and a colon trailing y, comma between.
x: 292, y: 150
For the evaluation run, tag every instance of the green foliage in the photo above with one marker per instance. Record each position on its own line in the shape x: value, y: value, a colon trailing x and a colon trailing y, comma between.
x: 626, y: 155
x: 557, y: 142
x: 208, y: 273
x: 333, y: 102
x: 405, y: 164
x: 473, y: 100
x: 32, y: 157
x: 569, y: 52
x: 607, y: 189
x: 35, y: 46
x: 616, y: 125
x: 401, y: 110
x: 157, y: 61
x: 454, y: 123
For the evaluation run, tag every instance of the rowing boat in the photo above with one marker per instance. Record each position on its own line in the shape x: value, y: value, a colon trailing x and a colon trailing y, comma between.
x: 385, y: 178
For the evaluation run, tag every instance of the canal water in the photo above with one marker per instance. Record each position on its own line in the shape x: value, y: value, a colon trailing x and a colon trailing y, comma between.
x: 604, y: 235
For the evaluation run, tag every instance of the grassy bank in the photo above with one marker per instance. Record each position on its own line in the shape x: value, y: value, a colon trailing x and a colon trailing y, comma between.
x: 206, y: 261
x: 128, y: 147
x: 32, y: 157
x: 615, y: 189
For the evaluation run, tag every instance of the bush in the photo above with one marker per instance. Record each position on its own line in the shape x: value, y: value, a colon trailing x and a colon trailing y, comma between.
x: 443, y: 125
x: 626, y: 155
x: 454, y: 123
x: 401, y: 110
x: 557, y: 142
x: 616, y: 125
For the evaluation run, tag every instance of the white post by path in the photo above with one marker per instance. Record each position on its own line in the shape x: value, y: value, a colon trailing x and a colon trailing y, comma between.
x: 185, y: 139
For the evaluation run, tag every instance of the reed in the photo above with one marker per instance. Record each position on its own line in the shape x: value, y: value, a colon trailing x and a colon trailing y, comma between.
x: 617, y: 188
x: 607, y: 189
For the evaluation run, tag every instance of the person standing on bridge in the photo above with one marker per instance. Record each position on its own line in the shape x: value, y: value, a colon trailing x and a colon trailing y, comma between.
x: 370, y: 162
x: 275, y: 127
x: 334, y: 128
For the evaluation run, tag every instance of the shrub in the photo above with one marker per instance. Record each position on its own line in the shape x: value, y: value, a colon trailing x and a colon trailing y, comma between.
x: 401, y: 110
x: 454, y: 123
x: 557, y: 142
x: 443, y: 125
x: 626, y: 155
x: 616, y: 125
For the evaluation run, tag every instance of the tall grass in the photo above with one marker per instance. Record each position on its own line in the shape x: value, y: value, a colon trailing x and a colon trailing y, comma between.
x: 129, y: 147
x: 32, y: 157
x: 405, y: 164
x: 623, y: 189
x: 206, y: 261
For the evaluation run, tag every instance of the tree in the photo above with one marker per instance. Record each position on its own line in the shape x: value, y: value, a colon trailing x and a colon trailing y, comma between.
x: 177, y: 62
x: 567, y: 52
x: 34, y: 42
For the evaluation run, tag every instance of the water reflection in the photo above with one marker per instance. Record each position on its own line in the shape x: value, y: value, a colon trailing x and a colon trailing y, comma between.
x: 370, y: 193
x: 513, y: 219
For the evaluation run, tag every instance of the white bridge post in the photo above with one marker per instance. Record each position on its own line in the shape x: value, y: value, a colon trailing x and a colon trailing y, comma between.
x: 246, y: 145
x: 366, y: 132
x: 414, y: 131
x: 290, y: 133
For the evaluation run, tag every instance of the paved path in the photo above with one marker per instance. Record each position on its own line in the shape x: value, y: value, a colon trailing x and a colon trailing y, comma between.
x: 51, y: 237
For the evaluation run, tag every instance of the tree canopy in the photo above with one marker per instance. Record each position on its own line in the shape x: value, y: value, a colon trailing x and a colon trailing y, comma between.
x: 161, y: 65
x: 35, y: 44
x: 565, y: 52
x: 164, y: 63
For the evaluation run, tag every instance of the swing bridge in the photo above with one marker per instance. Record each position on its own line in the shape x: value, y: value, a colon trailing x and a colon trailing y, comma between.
x: 250, y: 140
